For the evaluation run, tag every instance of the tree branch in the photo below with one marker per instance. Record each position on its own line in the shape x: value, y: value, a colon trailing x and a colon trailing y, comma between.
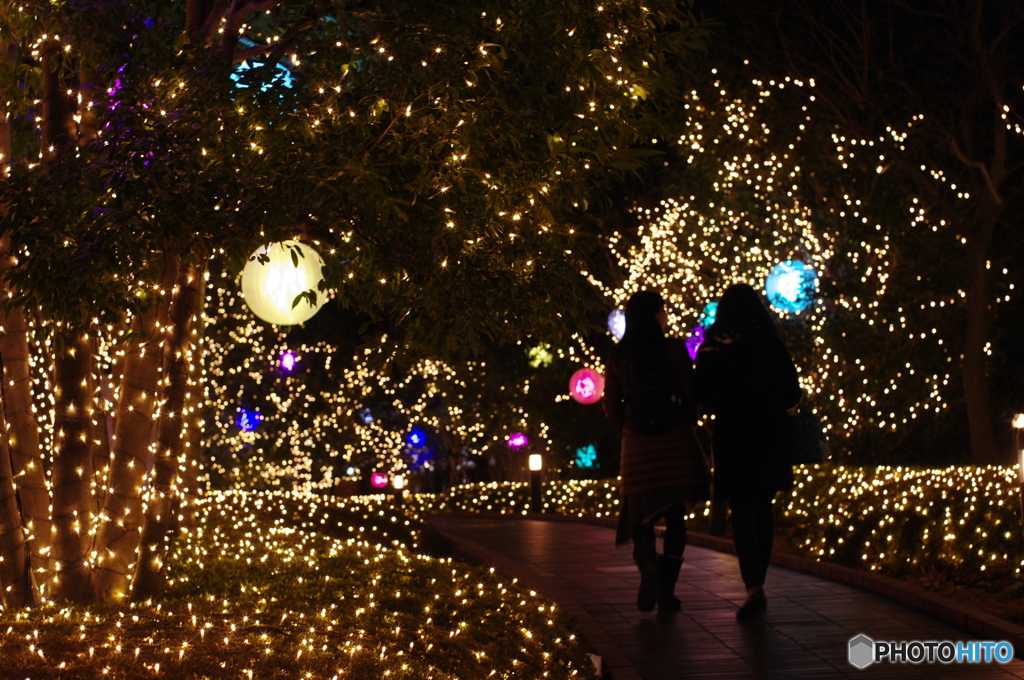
x: 977, y: 165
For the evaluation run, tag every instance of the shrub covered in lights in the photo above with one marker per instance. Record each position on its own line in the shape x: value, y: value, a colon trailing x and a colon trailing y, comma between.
x: 280, y: 585
x: 897, y: 520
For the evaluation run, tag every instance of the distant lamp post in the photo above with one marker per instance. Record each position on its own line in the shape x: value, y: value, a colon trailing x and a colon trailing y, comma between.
x: 536, y: 463
x: 398, y: 484
x: 270, y: 286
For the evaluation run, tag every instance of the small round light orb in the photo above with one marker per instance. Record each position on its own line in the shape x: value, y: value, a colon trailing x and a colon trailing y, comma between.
x: 247, y: 420
x: 708, y: 314
x: 416, y: 437
x: 694, y: 342
x: 586, y: 386
x: 287, y: 362
x: 586, y: 457
x: 518, y: 440
x: 791, y: 286
x: 617, y: 323
x: 379, y: 480
x: 270, y: 288
x: 351, y: 472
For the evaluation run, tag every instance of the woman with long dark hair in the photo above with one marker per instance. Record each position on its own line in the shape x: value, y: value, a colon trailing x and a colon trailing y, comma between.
x: 648, y: 399
x: 746, y: 377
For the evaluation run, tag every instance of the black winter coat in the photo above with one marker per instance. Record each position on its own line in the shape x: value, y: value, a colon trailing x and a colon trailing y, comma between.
x: 748, y: 382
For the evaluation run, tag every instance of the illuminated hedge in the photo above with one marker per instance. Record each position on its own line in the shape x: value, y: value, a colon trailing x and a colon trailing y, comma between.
x: 895, y: 519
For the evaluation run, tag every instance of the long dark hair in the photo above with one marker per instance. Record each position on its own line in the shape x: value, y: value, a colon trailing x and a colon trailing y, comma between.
x: 741, y: 311
x: 643, y: 332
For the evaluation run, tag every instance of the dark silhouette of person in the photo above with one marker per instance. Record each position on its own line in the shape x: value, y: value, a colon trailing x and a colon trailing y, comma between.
x: 662, y: 466
x: 745, y: 376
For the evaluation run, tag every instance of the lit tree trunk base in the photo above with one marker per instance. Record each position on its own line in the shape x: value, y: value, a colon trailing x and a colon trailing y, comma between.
x: 71, y: 467
x: 16, y: 588
x: 191, y: 465
x: 158, y: 525
x: 22, y: 430
x: 117, y: 541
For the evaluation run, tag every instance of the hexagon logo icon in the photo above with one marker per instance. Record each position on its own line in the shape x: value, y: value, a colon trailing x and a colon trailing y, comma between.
x: 862, y: 651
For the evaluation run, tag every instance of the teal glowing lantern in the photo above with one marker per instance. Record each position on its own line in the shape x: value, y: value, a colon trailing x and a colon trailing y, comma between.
x: 791, y: 286
x: 586, y: 457
x: 708, y: 314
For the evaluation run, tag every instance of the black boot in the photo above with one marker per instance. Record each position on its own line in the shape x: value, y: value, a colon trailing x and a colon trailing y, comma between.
x: 668, y: 574
x: 647, y: 596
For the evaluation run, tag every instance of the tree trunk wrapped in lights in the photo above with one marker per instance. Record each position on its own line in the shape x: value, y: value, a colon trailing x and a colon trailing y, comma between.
x: 14, y: 560
x: 165, y: 485
x: 72, y: 462
x: 117, y: 540
x: 22, y: 435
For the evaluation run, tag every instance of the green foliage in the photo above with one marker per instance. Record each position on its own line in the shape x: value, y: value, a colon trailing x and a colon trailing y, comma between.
x: 441, y: 153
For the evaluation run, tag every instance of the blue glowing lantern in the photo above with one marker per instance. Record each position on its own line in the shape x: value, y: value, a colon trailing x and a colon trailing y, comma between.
x: 247, y: 420
x: 282, y: 76
x: 791, y: 286
x: 416, y: 437
x: 365, y: 416
x: 708, y: 314
x: 586, y: 457
x: 617, y: 323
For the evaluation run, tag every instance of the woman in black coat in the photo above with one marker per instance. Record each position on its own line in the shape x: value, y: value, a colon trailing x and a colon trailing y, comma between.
x: 745, y: 376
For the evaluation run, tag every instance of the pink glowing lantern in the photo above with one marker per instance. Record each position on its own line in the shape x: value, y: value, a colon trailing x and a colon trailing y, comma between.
x: 379, y: 480
x: 518, y: 440
x: 586, y: 386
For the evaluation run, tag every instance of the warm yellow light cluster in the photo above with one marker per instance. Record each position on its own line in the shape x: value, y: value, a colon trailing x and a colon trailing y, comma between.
x: 690, y: 250
x: 313, y: 432
x: 309, y: 586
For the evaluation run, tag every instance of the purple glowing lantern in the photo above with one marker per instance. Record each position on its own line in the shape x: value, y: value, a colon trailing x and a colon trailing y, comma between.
x: 694, y: 342
x: 288, y: 361
x: 517, y: 440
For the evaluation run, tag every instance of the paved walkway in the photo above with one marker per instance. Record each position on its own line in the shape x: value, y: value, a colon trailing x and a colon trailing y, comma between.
x: 804, y: 634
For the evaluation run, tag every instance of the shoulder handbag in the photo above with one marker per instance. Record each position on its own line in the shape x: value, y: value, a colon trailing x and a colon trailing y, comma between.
x: 808, y: 443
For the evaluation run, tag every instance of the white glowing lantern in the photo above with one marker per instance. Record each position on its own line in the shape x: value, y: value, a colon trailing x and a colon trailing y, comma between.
x: 269, y: 288
x: 535, y: 462
x: 617, y: 323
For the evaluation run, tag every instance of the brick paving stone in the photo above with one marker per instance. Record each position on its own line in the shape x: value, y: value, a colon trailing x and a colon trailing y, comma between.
x: 804, y: 633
